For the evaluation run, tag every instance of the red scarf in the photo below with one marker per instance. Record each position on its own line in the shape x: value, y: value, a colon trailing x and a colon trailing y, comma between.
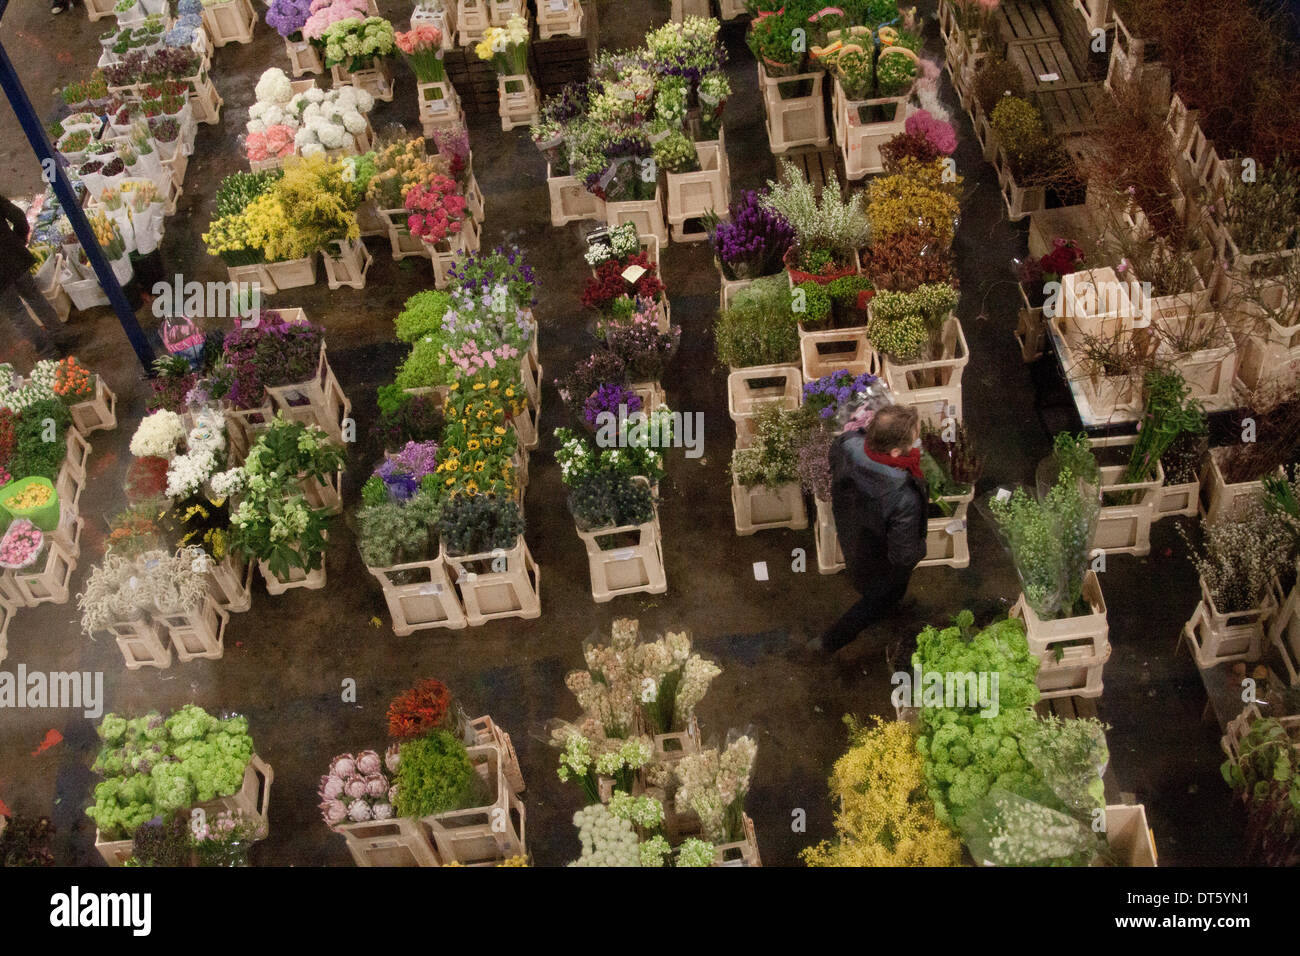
x: 908, y: 462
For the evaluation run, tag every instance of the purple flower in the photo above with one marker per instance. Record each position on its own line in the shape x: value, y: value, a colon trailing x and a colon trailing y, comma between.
x: 753, y: 242
x: 287, y: 17
x: 609, y: 398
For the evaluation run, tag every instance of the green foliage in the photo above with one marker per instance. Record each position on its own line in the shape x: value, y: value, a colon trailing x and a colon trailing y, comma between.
x: 844, y: 290
x: 1264, y: 776
x: 478, y: 524
x: 1170, y: 411
x: 434, y: 775
x: 424, y: 367
x: 675, y: 153
x: 967, y: 754
x: 773, y: 459
x: 610, y: 500
x: 32, y: 454
x: 393, y: 532
x: 816, y: 302
x: 422, y: 315
x: 239, y: 189
x: 374, y: 491
x: 758, y: 328
x: 905, y: 340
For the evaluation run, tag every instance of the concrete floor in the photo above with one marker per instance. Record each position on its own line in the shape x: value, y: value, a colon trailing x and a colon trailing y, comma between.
x: 286, y: 658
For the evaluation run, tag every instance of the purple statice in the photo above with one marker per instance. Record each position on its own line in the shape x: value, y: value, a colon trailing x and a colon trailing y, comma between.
x: 754, y: 241
x: 829, y: 392
x: 287, y: 17
x: 609, y: 398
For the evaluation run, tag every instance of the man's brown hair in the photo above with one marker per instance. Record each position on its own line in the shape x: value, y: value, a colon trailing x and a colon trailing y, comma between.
x: 892, y: 427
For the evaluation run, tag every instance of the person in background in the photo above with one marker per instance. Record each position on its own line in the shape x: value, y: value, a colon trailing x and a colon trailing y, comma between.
x: 878, y: 495
x: 17, y: 285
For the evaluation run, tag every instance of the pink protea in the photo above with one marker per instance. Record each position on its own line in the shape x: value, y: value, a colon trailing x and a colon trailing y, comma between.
x: 331, y: 787
x: 368, y: 763
x: 344, y: 766
x: 359, y: 812
x: 355, y: 788
x: 334, y: 812
x: 382, y: 811
x: 376, y: 785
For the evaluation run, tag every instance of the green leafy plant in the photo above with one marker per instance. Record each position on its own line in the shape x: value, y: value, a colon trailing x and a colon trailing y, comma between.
x: 816, y: 301
x: 422, y: 315
x: 758, y: 328
x: 675, y: 153
x: 435, y: 775
x: 1036, y: 157
x: 1264, y: 777
x: 1170, y: 411
x: 393, y: 532
x: 477, y: 524
x: 773, y: 459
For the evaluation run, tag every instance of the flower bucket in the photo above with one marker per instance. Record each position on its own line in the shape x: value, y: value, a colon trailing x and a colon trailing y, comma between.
x: 44, y: 516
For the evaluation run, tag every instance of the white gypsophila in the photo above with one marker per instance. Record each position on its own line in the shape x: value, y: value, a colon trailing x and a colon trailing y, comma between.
x: 186, y: 473
x: 157, y: 435
x: 597, y: 253
x: 255, y: 126
x: 227, y: 483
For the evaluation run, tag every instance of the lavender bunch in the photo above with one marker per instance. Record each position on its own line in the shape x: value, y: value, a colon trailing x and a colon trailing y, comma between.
x: 754, y: 242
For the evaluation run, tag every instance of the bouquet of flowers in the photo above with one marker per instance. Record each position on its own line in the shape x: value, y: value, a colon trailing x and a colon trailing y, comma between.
x: 288, y: 17
x: 324, y: 13
x: 618, y: 243
x: 157, y: 435
x: 331, y: 120
x: 753, y: 242
x: 399, y: 166
x: 506, y: 47
x: 73, y: 382
x: 688, y: 49
x: 422, y: 47
x: 21, y: 545
x: 357, y: 42
x: 274, y: 142
x: 437, y: 209
x: 356, y: 790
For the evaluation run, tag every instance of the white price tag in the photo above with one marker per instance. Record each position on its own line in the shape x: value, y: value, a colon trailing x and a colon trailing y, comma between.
x: 760, y: 570
x: 558, y: 6
x: 625, y: 94
x: 437, y: 106
x: 955, y: 526
x: 633, y: 273
x: 1004, y: 494
x: 1048, y: 77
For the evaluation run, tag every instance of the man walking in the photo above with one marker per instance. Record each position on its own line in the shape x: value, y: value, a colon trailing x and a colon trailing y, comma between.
x: 878, y: 495
x: 16, y: 280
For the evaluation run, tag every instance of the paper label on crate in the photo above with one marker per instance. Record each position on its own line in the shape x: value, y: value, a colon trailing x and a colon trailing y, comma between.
x: 1048, y: 77
x: 760, y: 571
x: 956, y: 526
x: 436, y: 106
x: 431, y: 588
x: 558, y: 6
x: 1004, y: 494
x: 633, y: 273
x: 622, y: 554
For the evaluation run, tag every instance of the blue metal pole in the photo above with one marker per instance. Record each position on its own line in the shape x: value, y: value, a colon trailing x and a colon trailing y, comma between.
x: 52, y: 171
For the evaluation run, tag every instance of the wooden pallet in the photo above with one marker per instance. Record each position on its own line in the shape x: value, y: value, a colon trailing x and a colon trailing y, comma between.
x: 816, y: 165
x: 1071, y: 109
x: 1077, y: 38
x: 562, y: 60
x: 1025, y: 21
x: 1038, y: 58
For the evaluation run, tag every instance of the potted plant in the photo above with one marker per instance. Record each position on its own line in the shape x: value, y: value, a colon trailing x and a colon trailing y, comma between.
x: 922, y: 341
x: 1264, y: 777
x: 618, y: 523
x: 483, y: 538
x: 1030, y: 161
x: 828, y: 231
x: 765, y: 490
x: 758, y: 328
x: 750, y: 243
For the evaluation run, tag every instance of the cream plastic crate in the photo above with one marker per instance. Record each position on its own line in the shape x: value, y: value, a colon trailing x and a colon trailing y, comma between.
x: 945, y: 536
x: 471, y: 21
x: 1177, y: 500
x: 141, y: 644
x: 486, y: 731
x: 513, y: 591
x: 692, y: 195
x: 347, y: 266
x: 730, y: 9
x: 1219, y: 499
x: 303, y: 57
x: 742, y: 852
x: 243, y: 426
x: 570, y: 201
x: 799, y: 121
x: 762, y: 509
x: 98, y: 412
x: 98, y: 9
x: 442, y: 255
x: 205, y: 102
x: 230, y: 583
x: 1126, y: 528
x: 1128, y: 834
x: 47, y: 581
x: 229, y: 21
x: 652, y: 394
x: 439, y: 106
x: 830, y: 557
x: 1096, y: 303
x: 933, y: 386
x: 376, y: 80
x: 326, y: 493
x: 1077, y: 630
x: 1218, y: 638
x: 1284, y: 630
x: 7, y: 612
x: 429, y: 601
x: 646, y: 214
x: 633, y: 569
x: 254, y: 275
x: 291, y: 274
x: 671, y: 747
x: 398, y: 842
x: 728, y: 287
x: 500, y: 11
x: 298, y: 578
x: 559, y: 18
x: 518, y: 101
x: 1072, y: 670
x: 1106, y: 395
x: 399, y: 237
x: 198, y: 633
x: 318, y: 401
x: 679, y: 10
x: 1020, y: 200
x: 748, y: 389
x: 486, y: 835
x: 826, y: 352
x: 1210, y: 373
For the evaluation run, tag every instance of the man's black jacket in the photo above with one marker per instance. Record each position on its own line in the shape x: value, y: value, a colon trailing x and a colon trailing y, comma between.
x: 880, y: 514
x: 14, y: 257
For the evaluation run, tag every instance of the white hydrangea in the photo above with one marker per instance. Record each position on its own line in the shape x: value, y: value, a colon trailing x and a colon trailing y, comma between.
x: 354, y: 122
x: 314, y: 95
x: 274, y: 86
x: 331, y: 136
x: 311, y: 111
x: 312, y: 149
x: 255, y: 126
x: 303, y: 138
x: 365, y: 102
x: 256, y: 110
